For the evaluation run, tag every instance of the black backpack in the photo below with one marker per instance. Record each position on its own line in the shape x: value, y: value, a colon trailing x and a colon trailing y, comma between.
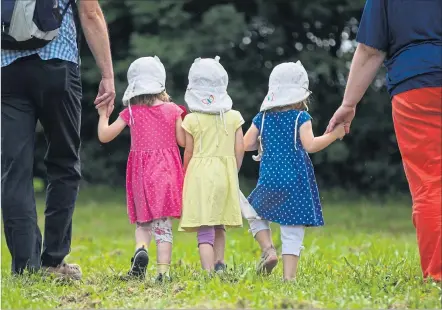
x: 31, y: 24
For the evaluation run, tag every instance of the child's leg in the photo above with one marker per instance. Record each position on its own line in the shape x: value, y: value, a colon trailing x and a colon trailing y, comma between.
x: 220, y: 244
x: 206, y: 239
x: 143, y: 235
x: 219, y: 247
x: 292, y: 238
x: 162, y: 229
x: 261, y: 232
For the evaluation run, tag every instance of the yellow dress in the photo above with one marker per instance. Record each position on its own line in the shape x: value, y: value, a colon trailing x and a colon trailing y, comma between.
x: 211, y: 189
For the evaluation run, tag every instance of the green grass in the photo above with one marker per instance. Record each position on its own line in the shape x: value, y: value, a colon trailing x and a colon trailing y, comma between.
x: 365, y: 257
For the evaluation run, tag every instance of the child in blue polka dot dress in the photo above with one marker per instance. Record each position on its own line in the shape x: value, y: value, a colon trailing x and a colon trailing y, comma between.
x: 286, y: 192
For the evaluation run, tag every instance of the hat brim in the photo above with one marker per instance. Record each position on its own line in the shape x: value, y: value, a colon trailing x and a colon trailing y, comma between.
x: 282, y: 98
x: 208, y: 102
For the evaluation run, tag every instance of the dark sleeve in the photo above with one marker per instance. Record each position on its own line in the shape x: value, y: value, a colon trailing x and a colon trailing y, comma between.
x: 373, y: 28
x: 183, y: 111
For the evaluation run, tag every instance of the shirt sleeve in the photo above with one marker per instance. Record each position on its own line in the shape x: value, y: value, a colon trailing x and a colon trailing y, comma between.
x: 373, y: 28
x: 239, y: 120
x: 257, y: 120
x: 182, y: 111
x: 125, y: 116
x: 304, y: 117
x: 188, y: 123
x: 177, y: 111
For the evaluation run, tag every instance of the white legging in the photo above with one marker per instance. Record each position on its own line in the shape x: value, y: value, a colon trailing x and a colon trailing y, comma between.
x: 292, y: 237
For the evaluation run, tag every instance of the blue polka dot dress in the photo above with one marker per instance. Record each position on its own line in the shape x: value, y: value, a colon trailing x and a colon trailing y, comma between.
x: 286, y: 192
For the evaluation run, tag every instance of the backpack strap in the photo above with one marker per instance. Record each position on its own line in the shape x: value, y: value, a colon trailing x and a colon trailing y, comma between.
x: 65, y: 10
x: 73, y: 4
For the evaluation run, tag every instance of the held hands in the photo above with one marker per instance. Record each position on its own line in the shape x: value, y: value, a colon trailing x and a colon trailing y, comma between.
x: 106, y: 96
x: 339, y: 132
x: 344, y: 115
x: 103, y: 111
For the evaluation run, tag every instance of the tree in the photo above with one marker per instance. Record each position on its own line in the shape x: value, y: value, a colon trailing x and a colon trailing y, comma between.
x: 251, y: 37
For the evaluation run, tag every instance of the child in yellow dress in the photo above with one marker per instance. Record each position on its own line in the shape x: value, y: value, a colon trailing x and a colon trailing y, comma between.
x: 213, y: 155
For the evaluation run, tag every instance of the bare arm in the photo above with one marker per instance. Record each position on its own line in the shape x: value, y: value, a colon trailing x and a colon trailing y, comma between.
x: 97, y: 37
x: 106, y: 132
x: 95, y: 32
x: 188, y: 152
x: 239, y: 147
x: 364, y: 66
x: 251, y: 139
x: 314, y: 144
x: 180, y: 133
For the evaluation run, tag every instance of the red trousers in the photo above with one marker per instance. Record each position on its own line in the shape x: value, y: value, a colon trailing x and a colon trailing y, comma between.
x: 417, y: 116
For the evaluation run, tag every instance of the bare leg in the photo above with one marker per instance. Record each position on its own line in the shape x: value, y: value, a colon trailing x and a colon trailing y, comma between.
x: 220, y: 244
x: 164, y: 253
x: 143, y: 235
x: 263, y: 235
x: 264, y: 239
x: 140, y: 260
x: 207, y: 256
x: 290, y: 263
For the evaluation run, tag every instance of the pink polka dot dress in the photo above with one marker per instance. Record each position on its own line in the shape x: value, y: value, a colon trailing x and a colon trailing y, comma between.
x: 154, y: 175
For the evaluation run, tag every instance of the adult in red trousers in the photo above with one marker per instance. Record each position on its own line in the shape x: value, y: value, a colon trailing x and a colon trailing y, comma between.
x: 406, y: 35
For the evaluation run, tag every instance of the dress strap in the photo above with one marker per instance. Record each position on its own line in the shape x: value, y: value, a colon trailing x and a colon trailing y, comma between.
x: 296, y: 130
x: 131, y: 117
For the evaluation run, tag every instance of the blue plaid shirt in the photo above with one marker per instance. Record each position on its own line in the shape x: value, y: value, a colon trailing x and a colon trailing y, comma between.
x: 63, y: 47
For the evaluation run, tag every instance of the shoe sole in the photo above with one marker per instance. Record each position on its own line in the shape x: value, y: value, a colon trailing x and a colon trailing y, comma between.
x: 138, y: 268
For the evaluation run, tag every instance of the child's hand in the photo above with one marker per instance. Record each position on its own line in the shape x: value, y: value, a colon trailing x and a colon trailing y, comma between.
x: 339, y: 132
x: 102, y: 111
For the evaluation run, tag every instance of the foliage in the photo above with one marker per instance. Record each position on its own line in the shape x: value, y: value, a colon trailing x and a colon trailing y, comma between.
x: 366, y: 257
x: 251, y: 37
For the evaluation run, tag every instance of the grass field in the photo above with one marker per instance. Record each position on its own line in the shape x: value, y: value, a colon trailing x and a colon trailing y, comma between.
x: 365, y: 257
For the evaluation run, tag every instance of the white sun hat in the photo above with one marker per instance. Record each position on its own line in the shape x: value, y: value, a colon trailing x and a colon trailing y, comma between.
x: 288, y: 84
x: 207, y: 88
x: 146, y: 76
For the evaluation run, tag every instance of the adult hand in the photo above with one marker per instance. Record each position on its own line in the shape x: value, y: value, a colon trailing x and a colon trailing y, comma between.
x: 343, y: 115
x: 106, y: 95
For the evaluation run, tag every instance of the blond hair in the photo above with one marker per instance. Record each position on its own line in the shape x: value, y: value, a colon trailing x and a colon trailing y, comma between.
x: 300, y: 106
x: 149, y: 99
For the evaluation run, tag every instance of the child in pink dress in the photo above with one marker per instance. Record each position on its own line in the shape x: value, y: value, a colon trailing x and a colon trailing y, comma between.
x: 154, y: 177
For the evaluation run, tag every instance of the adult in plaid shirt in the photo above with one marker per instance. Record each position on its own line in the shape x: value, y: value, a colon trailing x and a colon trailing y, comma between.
x: 45, y: 84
